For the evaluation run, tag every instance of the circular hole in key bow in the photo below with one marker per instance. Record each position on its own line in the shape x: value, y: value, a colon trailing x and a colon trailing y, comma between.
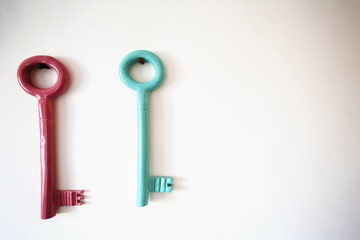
x: 44, y: 77
x: 142, y: 72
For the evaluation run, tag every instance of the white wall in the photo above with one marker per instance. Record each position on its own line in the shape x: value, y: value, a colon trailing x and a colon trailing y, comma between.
x: 258, y: 120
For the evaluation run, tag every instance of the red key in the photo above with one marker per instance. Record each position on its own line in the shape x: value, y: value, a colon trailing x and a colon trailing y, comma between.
x: 50, y: 197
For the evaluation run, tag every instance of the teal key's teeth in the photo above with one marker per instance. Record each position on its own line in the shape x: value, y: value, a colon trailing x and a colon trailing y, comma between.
x: 160, y: 184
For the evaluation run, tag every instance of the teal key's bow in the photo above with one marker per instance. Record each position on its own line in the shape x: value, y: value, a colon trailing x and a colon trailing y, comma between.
x: 145, y: 182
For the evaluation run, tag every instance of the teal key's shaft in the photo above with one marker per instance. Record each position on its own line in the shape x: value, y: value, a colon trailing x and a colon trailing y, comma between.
x: 143, y: 181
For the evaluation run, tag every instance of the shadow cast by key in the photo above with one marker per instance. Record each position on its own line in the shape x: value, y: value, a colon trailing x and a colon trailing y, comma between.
x: 64, y: 168
x: 161, y: 128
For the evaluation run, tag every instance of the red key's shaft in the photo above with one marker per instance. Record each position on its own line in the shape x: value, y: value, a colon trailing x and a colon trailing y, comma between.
x: 47, y: 157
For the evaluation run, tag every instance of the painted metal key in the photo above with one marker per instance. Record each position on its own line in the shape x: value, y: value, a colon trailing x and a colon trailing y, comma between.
x: 145, y: 182
x: 50, y: 197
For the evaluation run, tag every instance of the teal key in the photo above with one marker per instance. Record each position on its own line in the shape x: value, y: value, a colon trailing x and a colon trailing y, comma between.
x: 145, y: 182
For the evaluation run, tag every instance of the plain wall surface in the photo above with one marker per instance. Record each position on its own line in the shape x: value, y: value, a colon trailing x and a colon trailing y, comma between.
x: 258, y: 120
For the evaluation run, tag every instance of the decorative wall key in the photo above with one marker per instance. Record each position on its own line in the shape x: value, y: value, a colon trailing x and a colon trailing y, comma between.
x: 50, y: 197
x: 145, y: 183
